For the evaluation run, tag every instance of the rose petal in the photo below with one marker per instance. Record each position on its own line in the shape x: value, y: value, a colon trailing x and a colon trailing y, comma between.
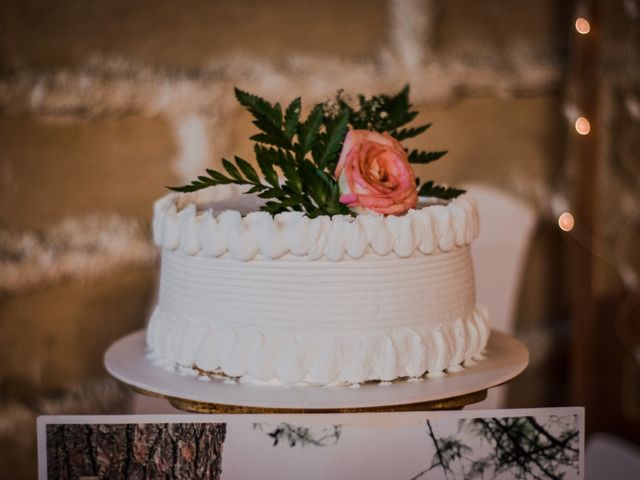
x: 348, y: 198
x: 374, y: 172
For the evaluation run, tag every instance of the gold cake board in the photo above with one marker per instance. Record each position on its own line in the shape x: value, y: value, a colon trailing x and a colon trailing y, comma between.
x: 505, y: 358
x: 453, y: 403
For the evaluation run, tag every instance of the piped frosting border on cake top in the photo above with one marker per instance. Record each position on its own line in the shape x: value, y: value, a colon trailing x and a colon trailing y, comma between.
x: 199, y: 225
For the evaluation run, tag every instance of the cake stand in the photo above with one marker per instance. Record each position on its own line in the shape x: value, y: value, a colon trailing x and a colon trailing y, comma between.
x: 505, y: 358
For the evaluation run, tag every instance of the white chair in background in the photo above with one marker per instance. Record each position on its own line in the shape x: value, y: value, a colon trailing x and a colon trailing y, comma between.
x: 499, y: 256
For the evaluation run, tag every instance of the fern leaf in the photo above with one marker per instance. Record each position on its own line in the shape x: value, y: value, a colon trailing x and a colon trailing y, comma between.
x: 291, y: 118
x: 248, y: 171
x: 439, y: 191
x: 405, y: 133
x: 260, y: 107
x: 310, y: 129
x: 334, y: 140
x: 232, y: 170
x: 218, y: 177
x: 266, y: 160
x: 423, y: 158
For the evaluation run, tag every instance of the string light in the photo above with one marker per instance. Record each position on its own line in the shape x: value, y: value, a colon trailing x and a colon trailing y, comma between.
x: 582, y: 25
x: 566, y: 222
x: 582, y: 125
x: 623, y: 248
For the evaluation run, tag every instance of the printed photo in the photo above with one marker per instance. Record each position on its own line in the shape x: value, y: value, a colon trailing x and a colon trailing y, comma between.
x: 498, y: 444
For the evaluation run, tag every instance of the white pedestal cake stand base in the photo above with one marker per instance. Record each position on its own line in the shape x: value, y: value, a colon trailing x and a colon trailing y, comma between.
x: 505, y: 358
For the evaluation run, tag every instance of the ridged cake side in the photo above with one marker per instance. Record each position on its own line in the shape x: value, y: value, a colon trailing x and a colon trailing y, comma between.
x: 293, y: 320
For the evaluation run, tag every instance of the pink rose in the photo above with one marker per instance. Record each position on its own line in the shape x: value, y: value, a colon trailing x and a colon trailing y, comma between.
x: 373, y: 172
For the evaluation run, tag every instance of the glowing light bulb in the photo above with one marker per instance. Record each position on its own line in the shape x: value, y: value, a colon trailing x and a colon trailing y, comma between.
x: 566, y: 222
x: 582, y: 25
x: 582, y: 125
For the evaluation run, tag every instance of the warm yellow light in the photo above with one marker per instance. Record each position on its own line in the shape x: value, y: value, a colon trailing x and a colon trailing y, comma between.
x: 566, y: 222
x: 583, y: 127
x: 582, y: 25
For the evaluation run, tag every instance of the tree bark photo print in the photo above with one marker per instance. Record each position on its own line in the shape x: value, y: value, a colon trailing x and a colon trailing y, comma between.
x: 135, y: 451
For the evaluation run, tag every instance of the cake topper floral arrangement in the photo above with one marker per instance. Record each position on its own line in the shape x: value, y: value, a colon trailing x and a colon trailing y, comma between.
x: 341, y: 159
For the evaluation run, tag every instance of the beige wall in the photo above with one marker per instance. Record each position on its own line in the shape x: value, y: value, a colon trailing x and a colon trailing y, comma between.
x: 104, y: 103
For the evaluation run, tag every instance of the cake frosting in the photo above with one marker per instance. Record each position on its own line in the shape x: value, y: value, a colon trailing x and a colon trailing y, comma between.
x: 289, y: 299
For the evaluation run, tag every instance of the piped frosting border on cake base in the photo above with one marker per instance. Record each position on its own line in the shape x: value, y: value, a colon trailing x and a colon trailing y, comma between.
x: 318, y: 357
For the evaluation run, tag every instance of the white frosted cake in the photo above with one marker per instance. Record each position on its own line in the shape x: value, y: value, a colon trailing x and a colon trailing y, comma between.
x: 289, y: 299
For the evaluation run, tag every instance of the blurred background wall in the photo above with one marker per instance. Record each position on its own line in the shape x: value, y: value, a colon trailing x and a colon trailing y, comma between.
x: 104, y: 103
